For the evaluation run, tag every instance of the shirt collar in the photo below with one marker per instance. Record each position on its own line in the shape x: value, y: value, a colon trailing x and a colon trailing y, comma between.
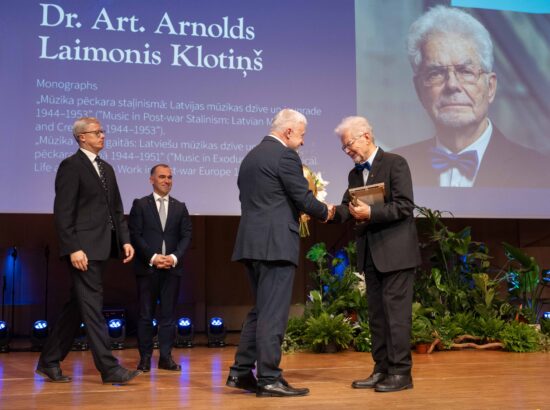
x: 278, y: 139
x: 157, y: 196
x: 479, y: 145
x: 89, y: 154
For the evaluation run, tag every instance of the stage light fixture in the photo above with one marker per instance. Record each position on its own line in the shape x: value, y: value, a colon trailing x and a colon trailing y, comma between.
x: 545, y: 275
x: 39, y: 335
x: 117, y: 333
x: 4, y: 337
x: 216, y: 332
x: 184, y: 332
x: 546, y: 315
x: 80, y: 342
x: 155, y: 334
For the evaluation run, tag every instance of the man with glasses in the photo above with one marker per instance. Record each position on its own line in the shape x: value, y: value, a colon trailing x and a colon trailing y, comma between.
x: 91, y: 228
x: 387, y: 252
x: 451, y: 54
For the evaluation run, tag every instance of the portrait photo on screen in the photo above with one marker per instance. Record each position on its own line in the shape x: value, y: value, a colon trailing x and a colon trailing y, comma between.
x: 464, y: 95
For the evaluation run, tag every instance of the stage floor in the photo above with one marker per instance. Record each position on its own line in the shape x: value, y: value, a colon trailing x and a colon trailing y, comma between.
x: 442, y: 380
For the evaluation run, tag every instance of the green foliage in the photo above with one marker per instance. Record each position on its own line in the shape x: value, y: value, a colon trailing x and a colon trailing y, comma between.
x: 446, y: 330
x: 488, y: 327
x: 545, y: 326
x: 523, y: 275
x: 363, y: 337
x: 326, y: 329
x: 294, y: 336
x: 519, y: 337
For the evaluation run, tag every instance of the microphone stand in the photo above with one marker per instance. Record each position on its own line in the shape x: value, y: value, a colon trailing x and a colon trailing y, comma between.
x: 14, y: 258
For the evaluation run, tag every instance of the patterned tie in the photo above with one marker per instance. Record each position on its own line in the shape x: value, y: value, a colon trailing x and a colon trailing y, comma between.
x: 466, y: 162
x: 101, y: 167
x: 162, y: 215
x: 364, y: 165
x: 103, y: 178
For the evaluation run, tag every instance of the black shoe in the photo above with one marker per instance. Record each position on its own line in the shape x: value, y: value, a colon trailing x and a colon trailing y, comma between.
x: 395, y: 382
x: 279, y: 389
x: 248, y: 382
x: 369, y: 382
x: 169, y: 364
x: 54, y: 374
x: 144, y: 364
x: 121, y: 376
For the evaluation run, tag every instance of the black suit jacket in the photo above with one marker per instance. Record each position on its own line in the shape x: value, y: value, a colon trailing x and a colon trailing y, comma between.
x: 147, y: 235
x: 390, y: 234
x: 504, y: 164
x: 273, y: 191
x: 82, y: 208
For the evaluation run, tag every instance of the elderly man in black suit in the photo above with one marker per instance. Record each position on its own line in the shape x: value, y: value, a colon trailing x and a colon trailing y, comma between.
x: 90, y: 224
x: 451, y: 54
x: 273, y: 192
x: 160, y: 230
x: 387, y: 252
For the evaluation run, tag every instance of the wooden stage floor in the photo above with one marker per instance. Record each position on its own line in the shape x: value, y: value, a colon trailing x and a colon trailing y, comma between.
x: 443, y: 380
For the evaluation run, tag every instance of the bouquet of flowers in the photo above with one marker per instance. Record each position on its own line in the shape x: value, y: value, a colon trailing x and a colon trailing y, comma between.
x: 317, y: 185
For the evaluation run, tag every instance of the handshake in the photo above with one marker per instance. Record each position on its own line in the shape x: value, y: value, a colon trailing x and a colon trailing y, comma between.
x: 330, y: 214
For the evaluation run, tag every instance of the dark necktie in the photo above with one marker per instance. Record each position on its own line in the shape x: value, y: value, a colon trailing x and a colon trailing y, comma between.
x: 364, y: 165
x: 101, y: 167
x: 465, y: 162
x: 103, y: 178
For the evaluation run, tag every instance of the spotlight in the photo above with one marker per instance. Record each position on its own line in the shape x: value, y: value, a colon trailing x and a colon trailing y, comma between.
x: 155, y: 334
x: 117, y: 333
x: 39, y: 335
x: 80, y: 342
x: 546, y: 315
x: 184, y: 332
x: 545, y: 275
x: 4, y: 337
x: 216, y: 332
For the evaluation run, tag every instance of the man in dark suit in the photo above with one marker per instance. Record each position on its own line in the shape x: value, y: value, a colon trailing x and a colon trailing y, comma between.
x: 160, y: 230
x: 387, y: 252
x: 451, y: 54
x: 90, y: 224
x: 273, y: 191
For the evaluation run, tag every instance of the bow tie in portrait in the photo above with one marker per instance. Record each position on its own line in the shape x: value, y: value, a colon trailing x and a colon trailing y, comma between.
x: 466, y: 162
x: 364, y: 165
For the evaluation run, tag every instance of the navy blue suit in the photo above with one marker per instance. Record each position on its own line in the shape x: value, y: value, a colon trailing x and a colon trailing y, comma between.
x: 273, y: 191
x: 154, y: 284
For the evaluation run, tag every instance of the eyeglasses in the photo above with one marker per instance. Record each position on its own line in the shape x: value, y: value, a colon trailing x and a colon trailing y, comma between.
x: 438, y: 75
x: 349, y: 144
x: 97, y: 132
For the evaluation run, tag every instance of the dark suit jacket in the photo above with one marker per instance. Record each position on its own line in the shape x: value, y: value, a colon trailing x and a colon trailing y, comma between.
x: 390, y: 234
x: 82, y: 208
x: 504, y: 164
x: 147, y: 235
x: 273, y: 191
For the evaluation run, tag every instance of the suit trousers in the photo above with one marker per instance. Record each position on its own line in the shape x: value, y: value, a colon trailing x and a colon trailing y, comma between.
x: 160, y: 288
x: 265, y: 324
x: 85, y: 305
x: 389, y: 297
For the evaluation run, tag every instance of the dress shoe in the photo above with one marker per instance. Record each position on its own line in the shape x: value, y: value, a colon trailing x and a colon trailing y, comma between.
x: 280, y: 389
x: 144, y: 364
x: 247, y: 382
x: 369, y: 382
x: 121, y: 376
x: 169, y: 364
x: 394, y: 382
x: 54, y: 374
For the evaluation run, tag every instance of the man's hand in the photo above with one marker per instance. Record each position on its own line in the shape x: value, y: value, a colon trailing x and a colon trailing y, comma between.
x: 79, y: 260
x: 360, y: 211
x: 331, y: 210
x: 163, y: 261
x: 128, y: 252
